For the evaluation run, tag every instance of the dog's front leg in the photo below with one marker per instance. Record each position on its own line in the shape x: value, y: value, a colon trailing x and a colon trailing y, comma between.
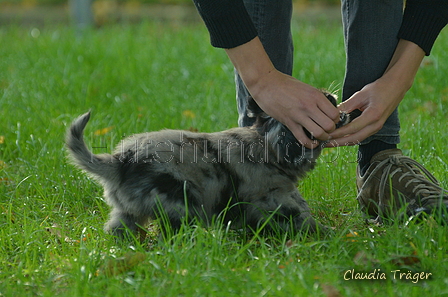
x: 121, y: 224
x: 282, y: 211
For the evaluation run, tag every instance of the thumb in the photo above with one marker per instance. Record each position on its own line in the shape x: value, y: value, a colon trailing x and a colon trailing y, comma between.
x: 350, y: 104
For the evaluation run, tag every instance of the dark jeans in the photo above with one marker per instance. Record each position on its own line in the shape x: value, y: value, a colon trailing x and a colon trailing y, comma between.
x: 370, y: 35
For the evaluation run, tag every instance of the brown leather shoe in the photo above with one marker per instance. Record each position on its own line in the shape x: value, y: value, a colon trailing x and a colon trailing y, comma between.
x: 395, y: 185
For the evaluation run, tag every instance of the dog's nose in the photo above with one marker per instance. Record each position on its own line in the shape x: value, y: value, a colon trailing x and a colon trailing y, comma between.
x: 344, y: 119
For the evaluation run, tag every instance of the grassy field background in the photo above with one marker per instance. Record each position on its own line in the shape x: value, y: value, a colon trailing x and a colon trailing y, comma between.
x: 151, y: 76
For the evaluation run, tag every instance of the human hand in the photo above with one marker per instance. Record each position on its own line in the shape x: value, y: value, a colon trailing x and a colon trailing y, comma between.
x: 293, y: 103
x: 377, y: 101
x: 297, y: 105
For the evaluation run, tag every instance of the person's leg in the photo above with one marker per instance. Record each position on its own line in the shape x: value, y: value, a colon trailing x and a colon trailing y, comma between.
x: 272, y: 18
x: 370, y: 35
x: 389, y: 184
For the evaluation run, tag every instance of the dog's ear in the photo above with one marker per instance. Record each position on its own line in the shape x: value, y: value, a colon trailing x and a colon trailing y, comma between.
x: 253, y: 110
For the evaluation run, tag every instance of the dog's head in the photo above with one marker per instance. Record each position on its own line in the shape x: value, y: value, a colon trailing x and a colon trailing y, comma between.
x: 282, y: 139
x: 263, y: 121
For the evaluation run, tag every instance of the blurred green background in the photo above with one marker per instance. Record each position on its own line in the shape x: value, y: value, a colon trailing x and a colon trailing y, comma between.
x: 28, y: 3
x: 101, y: 12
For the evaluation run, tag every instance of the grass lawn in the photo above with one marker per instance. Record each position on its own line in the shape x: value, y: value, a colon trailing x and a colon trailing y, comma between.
x: 151, y: 76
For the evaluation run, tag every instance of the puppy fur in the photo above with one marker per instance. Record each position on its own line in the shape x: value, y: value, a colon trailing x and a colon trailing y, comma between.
x: 243, y: 175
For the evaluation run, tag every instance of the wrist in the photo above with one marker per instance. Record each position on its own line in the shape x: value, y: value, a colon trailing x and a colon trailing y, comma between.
x: 252, y: 64
x: 404, y: 65
x: 396, y: 82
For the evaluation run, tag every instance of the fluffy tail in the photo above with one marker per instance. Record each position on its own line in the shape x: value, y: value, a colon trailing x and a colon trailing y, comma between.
x: 101, y: 166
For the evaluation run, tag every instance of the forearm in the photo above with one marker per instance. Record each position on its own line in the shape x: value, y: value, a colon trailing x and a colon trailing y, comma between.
x: 403, y: 67
x: 252, y: 63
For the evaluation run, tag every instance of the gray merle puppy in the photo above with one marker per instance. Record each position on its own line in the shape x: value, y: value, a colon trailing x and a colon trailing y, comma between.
x: 247, y: 175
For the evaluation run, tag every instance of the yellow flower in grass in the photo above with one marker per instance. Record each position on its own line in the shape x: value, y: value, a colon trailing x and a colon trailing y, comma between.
x: 188, y: 114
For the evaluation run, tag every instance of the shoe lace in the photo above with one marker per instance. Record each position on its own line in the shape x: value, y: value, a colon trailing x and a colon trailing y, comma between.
x: 425, y: 187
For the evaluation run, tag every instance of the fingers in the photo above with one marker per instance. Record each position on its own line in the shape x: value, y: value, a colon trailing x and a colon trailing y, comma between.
x: 301, y: 137
x: 371, y: 120
x: 316, y: 130
x: 320, y: 125
x: 298, y: 106
x: 357, y: 130
x: 362, y: 127
x: 354, y: 102
x: 348, y: 129
x: 322, y: 118
x: 329, y: 111
x: 316, y: 114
